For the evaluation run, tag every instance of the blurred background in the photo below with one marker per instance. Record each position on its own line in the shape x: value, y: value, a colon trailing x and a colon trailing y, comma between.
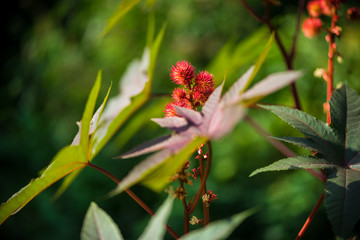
x: 51, y: 52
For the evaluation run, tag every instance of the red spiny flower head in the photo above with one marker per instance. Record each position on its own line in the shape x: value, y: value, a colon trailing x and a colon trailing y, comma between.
x: 170, y: 110
x: 314, y: 8
x: 311, y: 27
x: 180, y: 95
x: 182, y: 73
x: 204, y: 86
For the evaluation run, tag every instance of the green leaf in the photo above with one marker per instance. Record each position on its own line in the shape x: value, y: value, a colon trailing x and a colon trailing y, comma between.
x: 220, y: 229
x: 87, y: 115
x: 324, y: 138
x: 121, y: 10
x: 98, y: 225
x: 342, y: 200
x: 131, y: 101
x: 261, y: 59
x: 155, y: 171
x: 66, y: 161
x: 234, y: 56
x: 298, y: 162
x: 155, y: 229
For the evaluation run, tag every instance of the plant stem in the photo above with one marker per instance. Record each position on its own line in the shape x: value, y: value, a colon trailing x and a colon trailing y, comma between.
x: 288, y: 58
x: 310, y: 218
x: 204, y: 190
x: 186, y: 209
x: 281, y: 147
x: 132, y: 195
x: 330, y: 70
x: 192, y: 205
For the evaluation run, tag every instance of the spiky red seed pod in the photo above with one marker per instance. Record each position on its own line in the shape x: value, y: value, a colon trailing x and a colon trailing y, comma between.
x: 182, y: 73
x: 311, y: 27
x: 204, y: 86
x: 180, y: 95
x: 170, y: 110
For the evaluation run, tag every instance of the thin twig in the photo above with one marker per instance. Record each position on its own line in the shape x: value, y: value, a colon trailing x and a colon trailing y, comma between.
x: 297, y: 29
x: 310, y: 218
x: 132, y: 195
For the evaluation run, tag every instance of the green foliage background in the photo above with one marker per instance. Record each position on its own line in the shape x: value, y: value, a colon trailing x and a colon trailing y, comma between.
x: 49, y: 62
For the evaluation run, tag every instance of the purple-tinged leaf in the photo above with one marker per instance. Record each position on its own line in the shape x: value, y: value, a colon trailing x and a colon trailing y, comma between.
x: 190, y: 115
x: 170, y: 142
x: 298, y: 162
x: 172, y: 123
x: 155, y: 171
x: 355, y: 161
x: 210, y: 109
x: 232, y: 95
x: 269, y: 85
x: 224, y: 121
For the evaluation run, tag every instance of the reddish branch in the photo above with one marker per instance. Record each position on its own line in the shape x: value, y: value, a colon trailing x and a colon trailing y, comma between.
x: 288, y: 58
x: 133, y: 196
x: 310, y: 218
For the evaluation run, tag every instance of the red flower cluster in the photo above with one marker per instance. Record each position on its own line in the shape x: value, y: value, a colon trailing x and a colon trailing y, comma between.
x: 196, y: 87
x: 313, y: 25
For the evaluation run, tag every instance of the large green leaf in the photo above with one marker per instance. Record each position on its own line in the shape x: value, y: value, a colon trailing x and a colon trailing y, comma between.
x: 98, y: 225
x: 66, y: 161
x: 130, y: 99
x: 338, y: 148
x: 155, y: 230
x: 220, y: 229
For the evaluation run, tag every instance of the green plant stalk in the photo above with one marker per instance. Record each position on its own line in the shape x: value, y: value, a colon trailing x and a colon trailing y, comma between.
x: 132, y: 195
x: 312, y: 215
x: 204, y: 190
x: 186, y: 209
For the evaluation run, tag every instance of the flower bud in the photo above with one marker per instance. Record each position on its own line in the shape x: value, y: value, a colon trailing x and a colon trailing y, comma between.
x: 311, y: 27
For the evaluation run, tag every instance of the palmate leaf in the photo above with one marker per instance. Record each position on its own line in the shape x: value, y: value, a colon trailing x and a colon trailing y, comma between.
x: 217, y: 118
x: 338, y: 148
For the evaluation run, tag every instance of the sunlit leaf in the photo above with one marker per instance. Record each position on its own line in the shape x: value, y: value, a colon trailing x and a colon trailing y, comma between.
x: 269, y: 85
x: 98, y: 225
x: 155, y: 230
x: 338, y: 152
x: 66, y: 161
x: 134, y: 92
x: 220, y: 229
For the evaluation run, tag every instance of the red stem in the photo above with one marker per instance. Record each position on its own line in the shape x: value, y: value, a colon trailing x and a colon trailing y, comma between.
x: 133, y: 196
x: 192, y: 205
x: 310, y: 218
x: 330, y: 70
